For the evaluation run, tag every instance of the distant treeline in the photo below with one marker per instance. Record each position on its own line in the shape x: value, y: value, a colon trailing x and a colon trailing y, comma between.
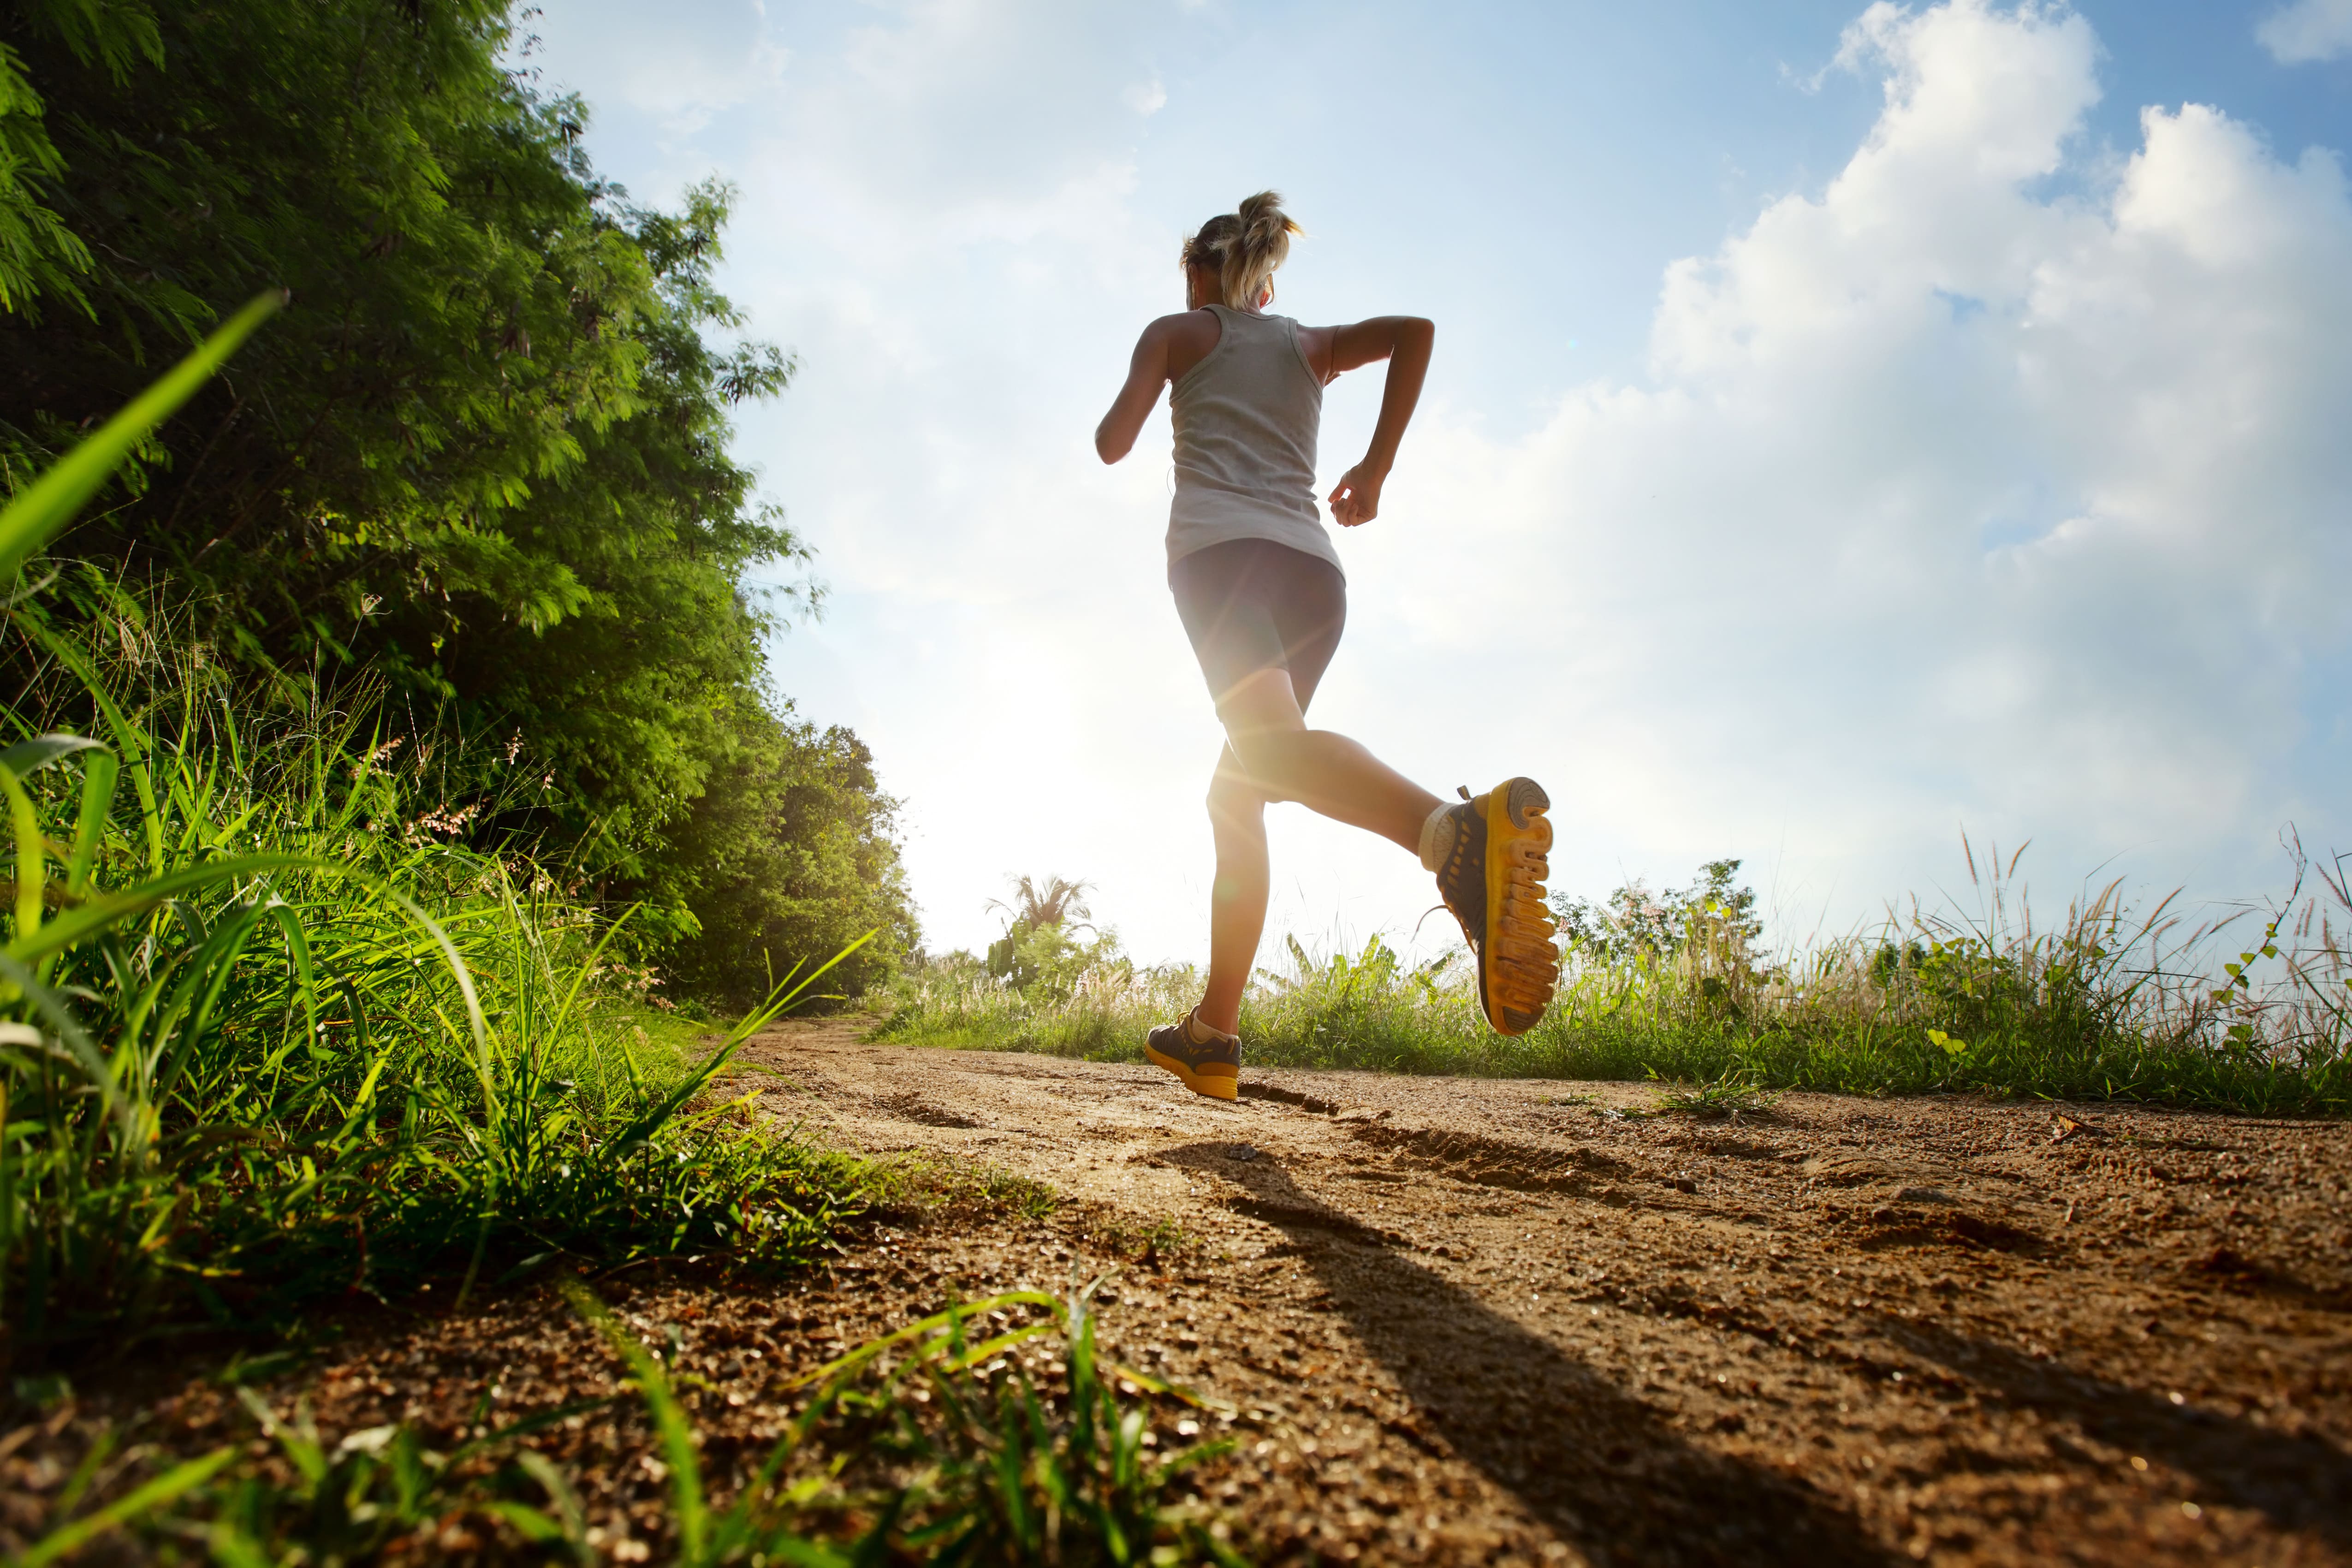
x: 481, y: 459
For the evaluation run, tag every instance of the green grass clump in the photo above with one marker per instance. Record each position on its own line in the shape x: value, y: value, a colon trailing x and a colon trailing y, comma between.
x: 271, y: 1039
x: 1734, y: 1095
x: 1097, y: 1010
x: 994, y: 1432
x: 2103, y: 1006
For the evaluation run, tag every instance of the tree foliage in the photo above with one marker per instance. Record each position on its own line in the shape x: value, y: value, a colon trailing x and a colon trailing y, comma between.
x: 482, y: 456
x: 1634, y: 920
x: 1034, y: 941
x: 793, y: 899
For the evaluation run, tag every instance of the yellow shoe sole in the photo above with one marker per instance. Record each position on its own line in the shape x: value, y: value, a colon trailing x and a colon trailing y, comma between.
x: 1218, y: 1082
x: 1520, y: 966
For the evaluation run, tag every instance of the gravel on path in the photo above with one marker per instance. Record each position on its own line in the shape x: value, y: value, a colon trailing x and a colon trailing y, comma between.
x: 1470, y: 1320
x: 1457, y: 1321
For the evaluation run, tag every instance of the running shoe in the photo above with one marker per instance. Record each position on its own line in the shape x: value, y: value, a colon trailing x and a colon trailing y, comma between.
x: 1212, y: 1067
x: 1492, y: 876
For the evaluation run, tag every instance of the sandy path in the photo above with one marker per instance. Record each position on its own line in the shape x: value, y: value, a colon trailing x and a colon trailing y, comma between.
x: 1474, y: 1321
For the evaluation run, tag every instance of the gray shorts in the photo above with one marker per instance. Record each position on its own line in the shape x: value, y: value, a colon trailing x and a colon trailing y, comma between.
x: 1249, y: 604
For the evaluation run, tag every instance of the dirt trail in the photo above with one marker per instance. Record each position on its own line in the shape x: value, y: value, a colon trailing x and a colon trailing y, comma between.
x: 1474, y: 1321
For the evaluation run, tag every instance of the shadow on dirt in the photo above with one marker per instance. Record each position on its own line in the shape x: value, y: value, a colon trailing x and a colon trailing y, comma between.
x: 1594, y: 1463
x: 2300, y: 1482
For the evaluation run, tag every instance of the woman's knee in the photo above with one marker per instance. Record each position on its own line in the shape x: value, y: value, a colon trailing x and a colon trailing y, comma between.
x: 1262, y: 722
x: 1270, y: 755
x: 1236, y: 806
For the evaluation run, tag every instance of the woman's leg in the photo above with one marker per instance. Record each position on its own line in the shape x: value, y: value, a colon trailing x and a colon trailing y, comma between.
x: 1323, y: 771
x: 1238, y: 899
x: 1273, y: 755
x: 1265, y: 620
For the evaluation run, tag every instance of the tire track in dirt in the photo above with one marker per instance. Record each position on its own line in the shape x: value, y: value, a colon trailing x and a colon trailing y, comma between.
x: 1474, y: 1321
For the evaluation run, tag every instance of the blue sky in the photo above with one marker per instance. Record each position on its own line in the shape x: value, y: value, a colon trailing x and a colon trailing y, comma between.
x: 1850, y: 427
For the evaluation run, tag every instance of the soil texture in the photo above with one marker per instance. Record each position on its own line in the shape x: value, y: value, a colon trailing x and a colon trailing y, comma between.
x: 1471, y: 1321
x: 1460, y: 1321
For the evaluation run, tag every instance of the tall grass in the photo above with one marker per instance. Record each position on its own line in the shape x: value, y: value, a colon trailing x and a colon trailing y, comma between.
x: 2104, y: 1004
x: 274, y: 1037
x: 1098, y: 1011
x: 269, y: 1036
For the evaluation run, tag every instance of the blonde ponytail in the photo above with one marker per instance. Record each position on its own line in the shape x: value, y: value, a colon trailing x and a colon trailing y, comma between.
x: 1245, y: 247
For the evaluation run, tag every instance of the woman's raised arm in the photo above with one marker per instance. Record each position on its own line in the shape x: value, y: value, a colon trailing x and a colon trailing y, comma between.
x: 1405, y: 342
x: 1147, y: 372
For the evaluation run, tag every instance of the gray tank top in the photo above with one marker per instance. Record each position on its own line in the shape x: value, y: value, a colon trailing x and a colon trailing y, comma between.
x: 1245, y: 419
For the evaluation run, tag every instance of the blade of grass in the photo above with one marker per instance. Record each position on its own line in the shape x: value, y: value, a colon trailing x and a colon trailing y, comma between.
x: 32, y: 856
x: 655, y: 1117
x: 669, y: 1417
x: 172, y: 1483
x: 97, y: 778
x: 936, y: 1323
x: 49, y: 503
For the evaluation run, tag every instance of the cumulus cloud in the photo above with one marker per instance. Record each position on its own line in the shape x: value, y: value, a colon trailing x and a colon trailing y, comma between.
x: 2307, y: 30
x: 1997, y: 483
x: 699, y: 62
x: 1947, y: 501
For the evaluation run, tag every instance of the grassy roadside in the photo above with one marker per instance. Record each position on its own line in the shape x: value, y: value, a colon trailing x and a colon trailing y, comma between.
x: 269, y: 1038
x: 288, y: 1052
x: 280, y: 1044
x: 274, y: 1045
x: 2103, y: 1006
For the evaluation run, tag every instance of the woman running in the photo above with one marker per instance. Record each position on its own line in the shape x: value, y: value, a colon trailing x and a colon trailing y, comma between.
x: 1259, y: 589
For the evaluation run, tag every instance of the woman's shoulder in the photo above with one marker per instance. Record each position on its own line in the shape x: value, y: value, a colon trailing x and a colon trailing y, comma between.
x: 1200, y: 326
x: 1191, y: 337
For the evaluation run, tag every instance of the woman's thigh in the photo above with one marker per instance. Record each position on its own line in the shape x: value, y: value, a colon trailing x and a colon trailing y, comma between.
x: 1309, y: 614
x: 1250, y: 606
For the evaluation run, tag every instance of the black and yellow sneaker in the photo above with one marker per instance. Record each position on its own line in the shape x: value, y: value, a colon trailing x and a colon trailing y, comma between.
x: 1208, y: 1060
x: 1489, y: 853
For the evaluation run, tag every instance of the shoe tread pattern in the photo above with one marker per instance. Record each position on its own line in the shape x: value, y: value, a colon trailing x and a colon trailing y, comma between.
x: 1519, y: 967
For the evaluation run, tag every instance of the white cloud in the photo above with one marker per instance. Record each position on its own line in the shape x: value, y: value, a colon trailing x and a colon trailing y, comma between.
x: 699, y: 61
x: 2307, y: 30
x: 1146, y: 98
x: 1943, y: 500
x: 1947, y: 501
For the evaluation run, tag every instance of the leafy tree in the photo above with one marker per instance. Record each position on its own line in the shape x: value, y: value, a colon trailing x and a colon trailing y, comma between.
x: 789, y: 857
x: 481, y: 457
x: 1033, y: 920
x: 1633, y: 920
x: 39, y: 255
x: 469, y: 305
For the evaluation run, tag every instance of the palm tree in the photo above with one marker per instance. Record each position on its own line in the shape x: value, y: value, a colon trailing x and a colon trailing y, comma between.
x: 1058, y: 901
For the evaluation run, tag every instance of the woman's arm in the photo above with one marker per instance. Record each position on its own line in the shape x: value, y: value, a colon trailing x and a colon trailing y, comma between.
x: 1147, y: 372
x: 1405, y: 342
